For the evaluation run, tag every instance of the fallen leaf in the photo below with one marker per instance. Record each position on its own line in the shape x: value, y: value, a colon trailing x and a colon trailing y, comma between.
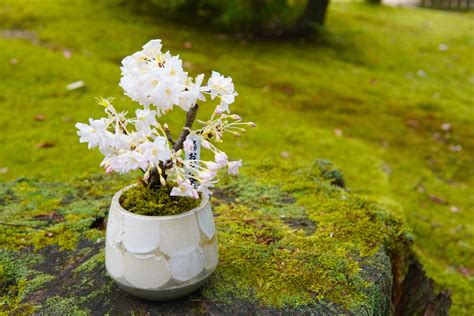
x: 465, y: 271
x: 44, y: 145
x: 67, y: 53
x: 436, y: 199
x: 413, y: 123
x: 40, y: 117
x: 3, y: 170
x: 446, y: 127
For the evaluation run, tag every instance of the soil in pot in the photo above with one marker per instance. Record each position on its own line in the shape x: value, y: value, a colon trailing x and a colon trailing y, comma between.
x: 143, y: 200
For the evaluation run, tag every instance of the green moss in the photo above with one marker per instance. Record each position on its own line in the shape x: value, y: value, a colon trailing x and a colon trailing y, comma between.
x: 41, y: 214
x: 61, y: 306
x: 15, y: 281
x: 265, y: 260
x: 36, y: 281
x: 143, y: 200
x: 91, y: 263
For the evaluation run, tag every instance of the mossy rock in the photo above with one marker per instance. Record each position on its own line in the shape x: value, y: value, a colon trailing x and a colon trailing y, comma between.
x: 298, y: 246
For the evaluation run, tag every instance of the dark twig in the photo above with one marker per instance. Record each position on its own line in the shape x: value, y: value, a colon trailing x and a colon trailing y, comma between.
x: 168, y: 135
x: 154, y: 178
x: 190, y: 117
x: 154, y: 174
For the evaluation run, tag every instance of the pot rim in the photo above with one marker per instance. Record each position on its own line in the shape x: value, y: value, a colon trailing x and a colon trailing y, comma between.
x: 116, y: 202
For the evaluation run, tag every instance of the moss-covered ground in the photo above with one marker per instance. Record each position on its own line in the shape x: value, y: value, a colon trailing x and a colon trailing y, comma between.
x: 377, y: 96
x: 52, y: 234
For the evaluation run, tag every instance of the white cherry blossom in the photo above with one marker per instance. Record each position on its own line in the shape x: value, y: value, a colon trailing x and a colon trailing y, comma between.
x: 158, y: 82
x: 145, y: 119
x: 185, y: 188
x: 221, y: 159
x: 234, y: 167
x: 92, y: 133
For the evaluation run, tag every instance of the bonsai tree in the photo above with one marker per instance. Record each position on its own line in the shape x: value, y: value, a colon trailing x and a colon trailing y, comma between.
x: 157, y: 81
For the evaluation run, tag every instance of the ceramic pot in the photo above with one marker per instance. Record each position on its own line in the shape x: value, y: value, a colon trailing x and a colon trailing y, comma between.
x: 160, y: 257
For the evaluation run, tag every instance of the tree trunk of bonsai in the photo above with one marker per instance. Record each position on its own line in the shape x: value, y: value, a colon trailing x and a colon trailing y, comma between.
x: 155, y: 174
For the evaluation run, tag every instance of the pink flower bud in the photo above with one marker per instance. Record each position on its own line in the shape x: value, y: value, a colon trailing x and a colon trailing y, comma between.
x: 236, y: 117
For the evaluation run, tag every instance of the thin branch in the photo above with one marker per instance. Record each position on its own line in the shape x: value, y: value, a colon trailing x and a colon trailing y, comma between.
x: 190, y: 117
x: 154, y: 179
x: 168, y: 135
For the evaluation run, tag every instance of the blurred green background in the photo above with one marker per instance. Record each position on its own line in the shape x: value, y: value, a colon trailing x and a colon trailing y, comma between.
x: 385, y: 93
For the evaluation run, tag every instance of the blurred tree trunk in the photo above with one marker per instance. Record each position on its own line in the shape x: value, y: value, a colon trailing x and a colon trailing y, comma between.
x: 313, y: 14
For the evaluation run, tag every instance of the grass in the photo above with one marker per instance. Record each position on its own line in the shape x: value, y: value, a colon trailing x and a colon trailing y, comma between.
x: 372, y: 98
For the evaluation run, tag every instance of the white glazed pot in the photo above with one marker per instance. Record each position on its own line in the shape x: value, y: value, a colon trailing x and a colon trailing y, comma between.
x: 160, y: 257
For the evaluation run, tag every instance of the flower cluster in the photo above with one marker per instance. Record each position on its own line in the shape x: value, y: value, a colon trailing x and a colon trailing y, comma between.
x: 158, y: 82
x: 151, y: 77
